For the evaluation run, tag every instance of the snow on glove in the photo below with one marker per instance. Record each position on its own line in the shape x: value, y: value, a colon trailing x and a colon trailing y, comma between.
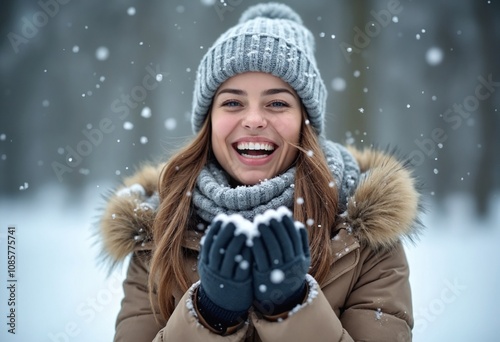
x: 224, y: 268
x: 282, y: 259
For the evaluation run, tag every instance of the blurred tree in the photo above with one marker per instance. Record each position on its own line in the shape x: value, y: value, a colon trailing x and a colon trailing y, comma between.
x: 487, y: 176
x: 355, y: 120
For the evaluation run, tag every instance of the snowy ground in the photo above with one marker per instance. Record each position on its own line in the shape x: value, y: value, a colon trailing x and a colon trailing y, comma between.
x: 62, y: 295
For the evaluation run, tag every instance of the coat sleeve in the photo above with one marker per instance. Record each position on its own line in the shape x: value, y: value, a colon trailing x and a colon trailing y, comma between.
x: 136, y: 321
x: 377, y: 309
x: 379, y: 306
x: 184, y: 325
x: 314, y: 320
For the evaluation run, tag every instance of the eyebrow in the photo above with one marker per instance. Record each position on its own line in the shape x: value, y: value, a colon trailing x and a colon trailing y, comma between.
x: 231, y: 91
x: 275, y: 91
x: 267, y: 92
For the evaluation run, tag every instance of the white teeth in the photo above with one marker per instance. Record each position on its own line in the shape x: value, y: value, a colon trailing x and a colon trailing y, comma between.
x: 253, y: 157
x: 255, y: 146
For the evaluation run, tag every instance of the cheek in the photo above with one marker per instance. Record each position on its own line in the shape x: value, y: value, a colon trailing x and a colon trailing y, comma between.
x: 297, y: 133
x: 291, y: 131
x: 222, y: 122
x: 221, y: 128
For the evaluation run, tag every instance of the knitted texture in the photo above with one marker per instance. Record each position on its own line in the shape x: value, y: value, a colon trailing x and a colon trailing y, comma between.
x: 223, y: 277
x: 269, y: 38
x: 214, y: 195
x: 282, y: 259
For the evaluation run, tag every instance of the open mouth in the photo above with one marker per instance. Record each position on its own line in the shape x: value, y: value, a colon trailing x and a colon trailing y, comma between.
x: 254, y: 149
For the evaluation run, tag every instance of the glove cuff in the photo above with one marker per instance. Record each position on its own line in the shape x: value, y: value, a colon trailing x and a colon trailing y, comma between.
x: 218, y: 318
x: 269, y: 308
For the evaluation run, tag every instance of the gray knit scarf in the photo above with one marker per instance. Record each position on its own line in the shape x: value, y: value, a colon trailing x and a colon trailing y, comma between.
x: 214, y: 195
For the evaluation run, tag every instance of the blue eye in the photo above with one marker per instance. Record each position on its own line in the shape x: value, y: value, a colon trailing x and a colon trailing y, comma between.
x: 231, y: 104
x: 279, y: 104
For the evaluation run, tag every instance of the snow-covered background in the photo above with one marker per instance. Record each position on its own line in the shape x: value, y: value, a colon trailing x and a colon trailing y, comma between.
x: 90, y: 89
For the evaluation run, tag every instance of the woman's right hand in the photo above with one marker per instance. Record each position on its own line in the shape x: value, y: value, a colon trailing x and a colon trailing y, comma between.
x: 225, y: 266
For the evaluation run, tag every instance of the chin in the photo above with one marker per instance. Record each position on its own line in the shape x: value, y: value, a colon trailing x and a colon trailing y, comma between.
x: 251, y: 179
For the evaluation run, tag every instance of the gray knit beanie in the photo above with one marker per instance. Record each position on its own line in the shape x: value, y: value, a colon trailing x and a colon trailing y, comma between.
x: 268, y: 38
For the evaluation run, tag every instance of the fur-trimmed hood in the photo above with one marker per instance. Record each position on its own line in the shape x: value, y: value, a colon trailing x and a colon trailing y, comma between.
x: 383, y: 209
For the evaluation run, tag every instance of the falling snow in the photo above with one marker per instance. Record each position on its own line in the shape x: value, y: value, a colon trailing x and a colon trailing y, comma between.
x: 208, y: 2
x: 244, y: 264
x: 434, y: 56
x: 277, y: 276
x: 146, y: 112
x: 170, y: 124
x: 338, y: 84
x: 102, y: 53
x: 127, y: 125
x: 131, y: 11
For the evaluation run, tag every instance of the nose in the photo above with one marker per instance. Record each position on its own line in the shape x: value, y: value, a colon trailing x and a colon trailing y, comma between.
x: 254, y: 119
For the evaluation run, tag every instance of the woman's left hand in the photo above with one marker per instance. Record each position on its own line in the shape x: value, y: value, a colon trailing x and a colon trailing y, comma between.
x: 282, y: 259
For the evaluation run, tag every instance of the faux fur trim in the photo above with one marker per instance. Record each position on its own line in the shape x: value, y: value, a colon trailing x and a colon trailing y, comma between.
x: 386, y: 203
x: 126, y: 223
x: 383, y: 209
x: 312, y: 294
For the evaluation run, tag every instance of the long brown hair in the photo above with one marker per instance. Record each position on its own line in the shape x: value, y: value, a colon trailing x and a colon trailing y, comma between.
x: 312, y: 183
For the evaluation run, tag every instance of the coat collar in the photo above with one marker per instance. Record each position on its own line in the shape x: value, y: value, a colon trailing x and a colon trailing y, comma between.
x: 383, y: 209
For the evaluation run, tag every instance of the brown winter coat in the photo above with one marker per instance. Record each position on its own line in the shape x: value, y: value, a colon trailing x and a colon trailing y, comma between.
x: 366, y: 297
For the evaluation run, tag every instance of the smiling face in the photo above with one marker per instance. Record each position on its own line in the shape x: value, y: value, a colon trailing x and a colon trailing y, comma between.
x: 254, y: 118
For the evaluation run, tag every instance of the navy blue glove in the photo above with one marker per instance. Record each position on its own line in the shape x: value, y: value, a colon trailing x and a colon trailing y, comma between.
x: 282, y: 259
x: 226, y: 291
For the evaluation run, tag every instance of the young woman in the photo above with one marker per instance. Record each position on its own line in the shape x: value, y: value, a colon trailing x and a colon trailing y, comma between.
x: 260, y: 229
